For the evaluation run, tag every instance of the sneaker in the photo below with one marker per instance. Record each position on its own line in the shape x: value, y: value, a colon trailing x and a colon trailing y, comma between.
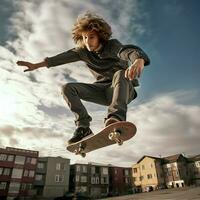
x: 111, y: 120
x: 79, y: 134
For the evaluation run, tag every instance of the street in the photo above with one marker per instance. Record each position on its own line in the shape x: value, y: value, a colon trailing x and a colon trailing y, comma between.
x: 186, y: 193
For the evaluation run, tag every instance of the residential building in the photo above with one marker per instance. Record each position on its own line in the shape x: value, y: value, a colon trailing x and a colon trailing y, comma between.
x: 90, y: 179
x: 148, y: 174
x: 52, y: 176
x: 176, y: 171
x: 194, y: 169
x: 120, y: 180
x: 17, y: 172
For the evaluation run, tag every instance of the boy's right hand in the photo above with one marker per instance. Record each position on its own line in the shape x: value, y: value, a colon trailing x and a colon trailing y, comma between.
x: 30, y: 66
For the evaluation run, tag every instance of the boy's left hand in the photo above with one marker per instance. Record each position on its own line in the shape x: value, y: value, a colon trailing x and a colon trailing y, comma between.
x: 135, y: 70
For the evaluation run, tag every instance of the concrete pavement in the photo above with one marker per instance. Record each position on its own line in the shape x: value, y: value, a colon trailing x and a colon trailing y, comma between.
x: 186, y: 193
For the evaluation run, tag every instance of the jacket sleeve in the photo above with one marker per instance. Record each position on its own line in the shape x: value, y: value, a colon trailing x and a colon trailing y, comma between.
x: 63, y: 58
x: 132, y: 52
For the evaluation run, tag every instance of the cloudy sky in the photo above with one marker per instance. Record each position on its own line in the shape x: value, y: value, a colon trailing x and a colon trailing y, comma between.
x: 33, y: 114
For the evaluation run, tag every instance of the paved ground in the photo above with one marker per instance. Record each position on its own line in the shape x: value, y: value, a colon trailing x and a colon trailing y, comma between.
x: 187, y: 193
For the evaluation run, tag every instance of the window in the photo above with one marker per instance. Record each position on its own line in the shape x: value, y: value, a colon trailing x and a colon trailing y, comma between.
x: 1, y: 170
x: 29, y: 173
x: 6, y: 171
x: 26, y: 186
x: 104, y: 180
x: 38, y: 177
x: 26, y: 173
x: 84, y: 169
x: 97, y: 180
x: 3, y: 157
x: 126, y: 172
x: 115, y: 171
x: 168, y: 165
x: 40, y: 165
x: 126, y: 180
x: 134, y: 170
x: 59, y: 178
x: 149, y: 176
x: 23, y: 186
x: 141, y: 178
x: 19, y: 160
x: 78, y: 168
x: 10, y: 158
x: 14, y: 187
x: 3, y: 185
x: 77, y: 178
x: 62, y: 166
x: 28, y: 160
x: 93, y: 180
x: 57, y: 166
x: 17, y: 173
x: 29, y: 186
x: 151, y: 165
x: 83, y: 179
x: 33, y: 161
x: 105, y: 171
x: 197, y: 163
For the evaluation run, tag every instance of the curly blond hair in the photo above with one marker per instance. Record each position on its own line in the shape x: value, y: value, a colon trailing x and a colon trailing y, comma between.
x: 90, y: 22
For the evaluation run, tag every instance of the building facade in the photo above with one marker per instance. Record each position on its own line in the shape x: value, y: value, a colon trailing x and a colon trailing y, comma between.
x: 17, y: 172
x: 120, y: 181
x: 52, y: 176
x: 176, y: 171
x: 194, y: 169
x: 151, y: 173
x: 147, y: 174
x: 89, y: 179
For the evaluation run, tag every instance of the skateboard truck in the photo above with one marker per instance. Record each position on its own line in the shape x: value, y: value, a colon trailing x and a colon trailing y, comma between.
x: 80, y: 150
x: 115, y: 136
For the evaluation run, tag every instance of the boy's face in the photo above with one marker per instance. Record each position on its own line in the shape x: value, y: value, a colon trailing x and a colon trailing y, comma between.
x: 91, y: 40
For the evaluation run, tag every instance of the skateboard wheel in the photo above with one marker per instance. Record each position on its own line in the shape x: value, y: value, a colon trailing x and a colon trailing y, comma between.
x: 83, y: 155
x: 76, y: 152
x: 120, y: 142
x: 110, y: 136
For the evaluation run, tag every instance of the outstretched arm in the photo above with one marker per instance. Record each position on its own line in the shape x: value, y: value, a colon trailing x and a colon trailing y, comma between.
x: 60, y: 59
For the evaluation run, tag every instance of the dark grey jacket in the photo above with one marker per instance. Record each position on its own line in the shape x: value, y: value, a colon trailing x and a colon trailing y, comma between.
x: 112, y: 57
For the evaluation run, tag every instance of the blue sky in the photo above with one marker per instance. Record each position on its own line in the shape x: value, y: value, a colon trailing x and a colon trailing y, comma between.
x: 172, y: 42
x: 168, y: 97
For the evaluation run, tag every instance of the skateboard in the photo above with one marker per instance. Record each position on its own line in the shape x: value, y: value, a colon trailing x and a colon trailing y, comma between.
x: 115, y: 133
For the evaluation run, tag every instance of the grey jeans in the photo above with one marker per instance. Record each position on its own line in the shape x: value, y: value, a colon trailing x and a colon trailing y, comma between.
x: 116, y: 95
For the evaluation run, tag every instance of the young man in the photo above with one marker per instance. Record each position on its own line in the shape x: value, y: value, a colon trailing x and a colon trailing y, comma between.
x: 107, y: 59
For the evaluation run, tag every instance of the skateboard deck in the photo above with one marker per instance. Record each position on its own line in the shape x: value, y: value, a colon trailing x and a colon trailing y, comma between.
x: 114, y: 133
